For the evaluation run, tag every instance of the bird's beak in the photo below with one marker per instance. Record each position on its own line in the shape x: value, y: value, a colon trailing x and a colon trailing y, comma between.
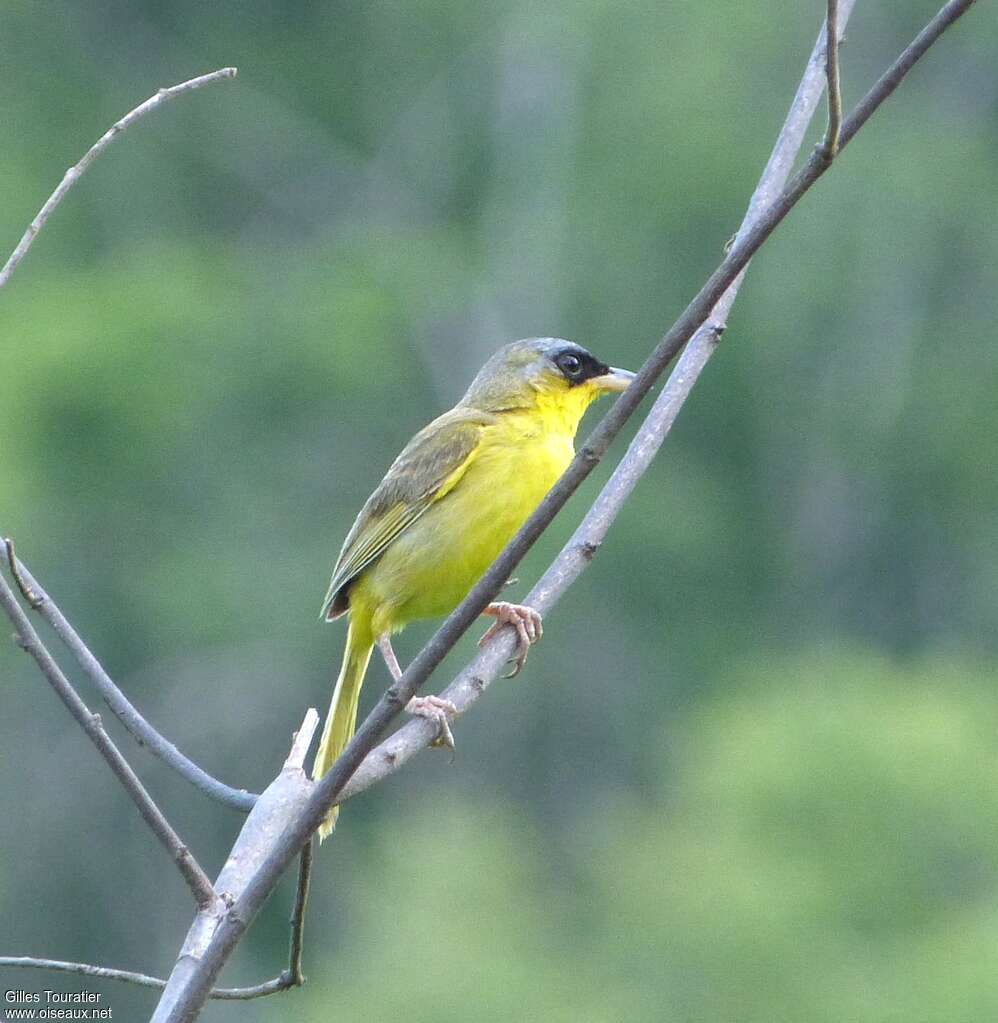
x: 614, y: 380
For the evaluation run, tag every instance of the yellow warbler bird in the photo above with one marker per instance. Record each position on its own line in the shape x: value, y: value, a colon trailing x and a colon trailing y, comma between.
x: 448, y: 505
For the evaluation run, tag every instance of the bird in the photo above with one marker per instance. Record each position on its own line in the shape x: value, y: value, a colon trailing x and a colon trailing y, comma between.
x: 447, y: 506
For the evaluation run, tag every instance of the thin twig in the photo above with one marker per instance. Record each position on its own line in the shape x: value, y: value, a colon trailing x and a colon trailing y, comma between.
x: 91, y: 723
x: 77, y: 170
x: 190, y: 982
x: 232, y: 994
x: 136, y: 725
x: 830, y: 145
x: 298, y: 914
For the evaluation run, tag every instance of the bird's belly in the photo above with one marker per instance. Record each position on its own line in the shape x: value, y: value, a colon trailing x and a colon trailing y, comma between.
x: 431, y: 567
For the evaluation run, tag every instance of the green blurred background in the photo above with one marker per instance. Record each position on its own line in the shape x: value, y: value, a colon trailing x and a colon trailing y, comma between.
x: 750, y: 774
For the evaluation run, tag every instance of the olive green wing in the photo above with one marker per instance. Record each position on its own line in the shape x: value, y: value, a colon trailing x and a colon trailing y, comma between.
x: 429, y: 466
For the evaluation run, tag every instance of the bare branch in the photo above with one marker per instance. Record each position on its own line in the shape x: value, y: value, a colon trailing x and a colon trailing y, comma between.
x: 296, y: 762
x: 232, y: 994
x: 137, y: 726
x: 298, y: 914
x: 77, y: 170
x: 190, y: 983
x: 91, y: 723
x: 830, y: 144
x: 83, y: 969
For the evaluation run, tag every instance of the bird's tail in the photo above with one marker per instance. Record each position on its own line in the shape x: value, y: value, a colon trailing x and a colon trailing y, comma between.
x: 342, y: 717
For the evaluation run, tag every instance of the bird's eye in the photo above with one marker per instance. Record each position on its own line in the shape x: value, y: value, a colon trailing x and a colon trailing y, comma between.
x: 570, y: 365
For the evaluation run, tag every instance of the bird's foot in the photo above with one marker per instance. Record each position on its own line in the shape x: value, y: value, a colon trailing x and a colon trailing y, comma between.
x: 437, y: 710
x: 524, y: 619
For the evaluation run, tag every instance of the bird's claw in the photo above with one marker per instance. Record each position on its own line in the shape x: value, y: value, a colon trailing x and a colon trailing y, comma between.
x: 437, y: 710
x: 527, y: 622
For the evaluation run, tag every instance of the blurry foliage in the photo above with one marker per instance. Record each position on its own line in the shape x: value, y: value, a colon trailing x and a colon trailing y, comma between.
x: 750, y: 773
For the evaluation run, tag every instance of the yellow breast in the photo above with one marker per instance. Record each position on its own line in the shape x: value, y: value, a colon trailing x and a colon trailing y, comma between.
x: 429, y: 569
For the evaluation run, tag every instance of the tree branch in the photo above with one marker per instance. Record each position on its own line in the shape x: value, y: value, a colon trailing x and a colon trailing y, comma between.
x: 78, y: 169
x: 188, y: 987
x: 232, y: 994
x: 91, y: 723
x: 297, y: 978
x: 137, y: 726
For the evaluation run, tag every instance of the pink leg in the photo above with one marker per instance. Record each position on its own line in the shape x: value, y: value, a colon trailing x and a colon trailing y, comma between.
x: 433, y: 708
x: 524, y: 619
x: 385, y: 646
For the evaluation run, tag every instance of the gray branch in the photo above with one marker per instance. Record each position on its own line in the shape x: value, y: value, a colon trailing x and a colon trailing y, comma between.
x: 78, y: 169
x: 231, y: 994
x: 137, y: 726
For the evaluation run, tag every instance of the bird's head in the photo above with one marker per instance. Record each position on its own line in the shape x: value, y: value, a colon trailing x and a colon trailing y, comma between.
x: 544, y: 372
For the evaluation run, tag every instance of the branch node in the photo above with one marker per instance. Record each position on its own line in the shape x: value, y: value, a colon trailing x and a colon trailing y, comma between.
x: 824, y: 152
x: 288, y: 978
x: 238, y: 919
x: 589, y: 548
x: 35, y: 600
